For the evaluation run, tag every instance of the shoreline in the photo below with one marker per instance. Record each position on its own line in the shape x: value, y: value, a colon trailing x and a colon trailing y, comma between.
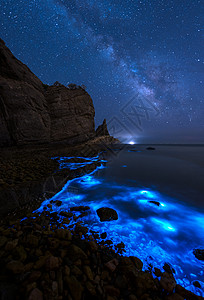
x: 160, y: 287
x: 47, y: 256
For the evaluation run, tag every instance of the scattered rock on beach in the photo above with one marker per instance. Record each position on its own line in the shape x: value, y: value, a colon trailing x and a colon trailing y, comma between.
x: 199, y: 254
x: 167, y: 268
x: 79, y: 208
x: 107, y: 214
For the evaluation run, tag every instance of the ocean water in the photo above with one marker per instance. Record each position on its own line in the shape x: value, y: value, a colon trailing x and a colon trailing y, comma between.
x: 166, y: 230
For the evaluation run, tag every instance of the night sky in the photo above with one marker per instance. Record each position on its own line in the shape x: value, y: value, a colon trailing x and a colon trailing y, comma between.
x: 141, y: 61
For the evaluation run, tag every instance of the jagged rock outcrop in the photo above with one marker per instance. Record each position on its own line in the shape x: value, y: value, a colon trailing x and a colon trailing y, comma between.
x: 102, y: 129
x: 32, y: 113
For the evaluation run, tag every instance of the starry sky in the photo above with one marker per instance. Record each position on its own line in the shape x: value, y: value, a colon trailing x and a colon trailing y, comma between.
x: 141, y: 61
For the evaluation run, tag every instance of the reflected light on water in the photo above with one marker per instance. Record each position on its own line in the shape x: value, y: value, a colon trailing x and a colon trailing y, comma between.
x: 153, y: 227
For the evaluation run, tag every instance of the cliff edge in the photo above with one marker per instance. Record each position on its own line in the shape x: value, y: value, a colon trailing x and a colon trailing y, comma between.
x: 34, y: 113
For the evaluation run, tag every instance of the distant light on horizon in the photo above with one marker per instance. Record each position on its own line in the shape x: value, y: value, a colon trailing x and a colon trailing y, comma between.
x: 131, y: 143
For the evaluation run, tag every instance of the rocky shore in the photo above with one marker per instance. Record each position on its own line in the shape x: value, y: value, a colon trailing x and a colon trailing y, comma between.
x: 51, y: 256
x: 28, y: 173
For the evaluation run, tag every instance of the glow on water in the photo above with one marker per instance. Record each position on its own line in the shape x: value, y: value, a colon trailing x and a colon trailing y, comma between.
x: 153, y: 227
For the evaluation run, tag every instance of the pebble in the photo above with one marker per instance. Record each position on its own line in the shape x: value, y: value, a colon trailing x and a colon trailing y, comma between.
x: 48, y: 262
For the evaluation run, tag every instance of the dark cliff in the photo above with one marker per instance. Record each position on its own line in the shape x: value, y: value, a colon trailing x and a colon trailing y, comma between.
x: 32, y: 113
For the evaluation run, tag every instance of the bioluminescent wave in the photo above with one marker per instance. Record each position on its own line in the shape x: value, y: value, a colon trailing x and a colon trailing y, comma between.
x: 154, y: 227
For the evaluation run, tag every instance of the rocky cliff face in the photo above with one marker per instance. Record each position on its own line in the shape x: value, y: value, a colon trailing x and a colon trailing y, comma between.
x: 102, y: 129
x: 31, y: 113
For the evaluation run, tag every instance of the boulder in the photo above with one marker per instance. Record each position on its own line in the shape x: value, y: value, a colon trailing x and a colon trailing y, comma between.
x: 199, y: 254
x: 107, y: 214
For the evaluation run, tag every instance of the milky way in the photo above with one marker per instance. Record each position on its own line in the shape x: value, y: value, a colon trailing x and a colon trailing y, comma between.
x: 141, y: 61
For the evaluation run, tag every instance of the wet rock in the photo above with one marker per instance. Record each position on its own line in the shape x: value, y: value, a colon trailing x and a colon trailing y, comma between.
x: 107, y: 214
x: 81, y: 229
x: 157, y: 272
x: 197, y: 284
x: 16, y: 267
x: 120, y: 247
x: 79, y: 208
x: 66, y: 214
x: 167, y: 268
x: 154, y: 202
x: 104, y: 235
x: 199, y: 254
x: 58, y: 203
x: 36, y: 294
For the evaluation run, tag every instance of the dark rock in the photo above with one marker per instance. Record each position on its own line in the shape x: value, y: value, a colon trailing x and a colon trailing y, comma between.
x: 138, y: 263
x: 102, y: 129
x: 58, y: 202
x: 112, y: 264
x: 52, y: 263
x: 185, y: 293
x: 74, y: 253
x: 36, y: 294
x: 107, y: 214
x: 199, y: 253
x: 154, y: 202
x: 112, y: 291
x: 66, y: 214
x: 167, y: 268
x: 74, y: 286
x: 31, y: 114
x: 16, y: 267
x: 167, y: 282
x: 157, y: 272
x: 104, y: 235
x: 197, y: 284
x: 150, y: 148
x: 79, y: 208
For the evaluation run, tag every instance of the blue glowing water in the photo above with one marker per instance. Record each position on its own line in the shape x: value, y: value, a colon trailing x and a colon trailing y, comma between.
x: 167, y: 232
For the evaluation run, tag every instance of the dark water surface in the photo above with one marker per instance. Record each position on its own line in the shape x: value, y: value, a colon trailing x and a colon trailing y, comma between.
x: 173, y: 176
